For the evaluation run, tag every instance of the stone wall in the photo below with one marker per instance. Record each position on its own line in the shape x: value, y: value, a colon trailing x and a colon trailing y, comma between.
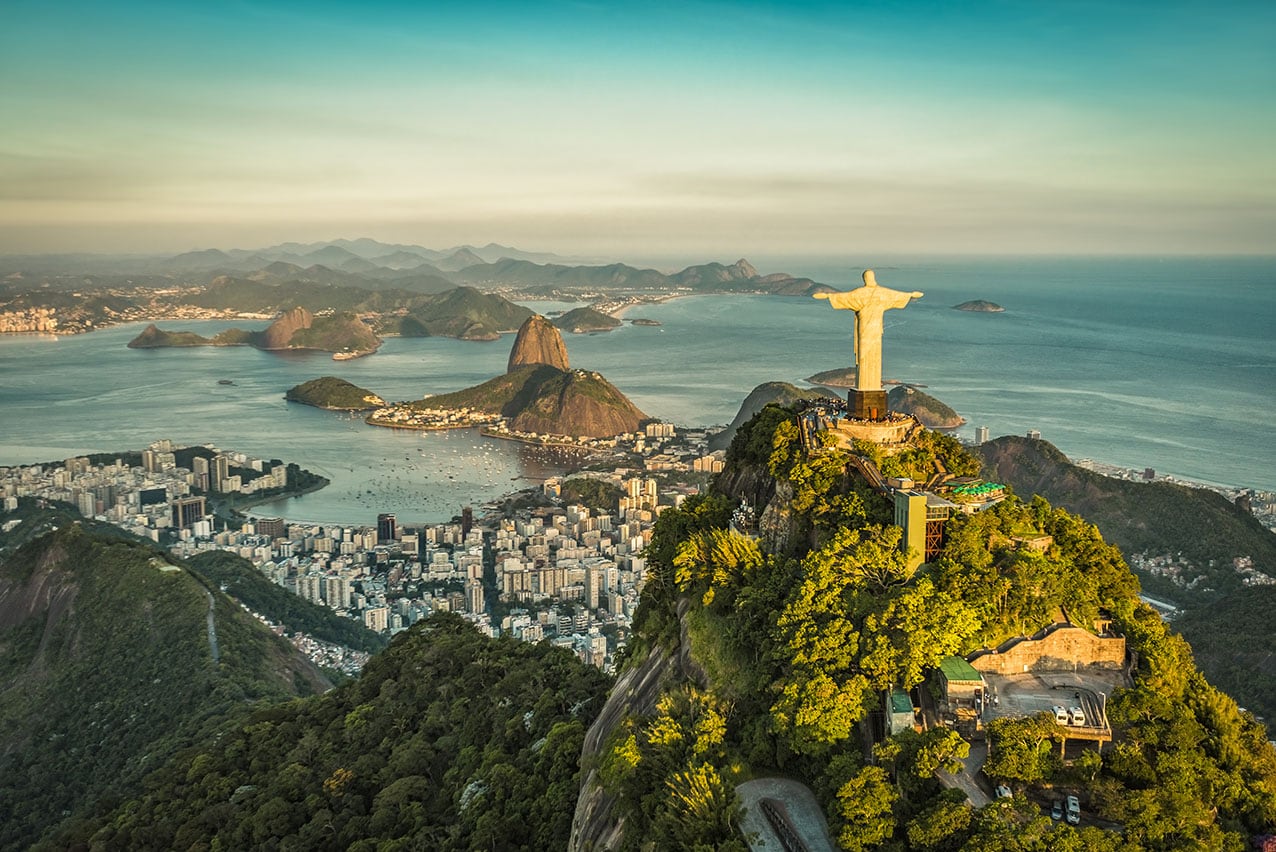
x: 1061, y: 649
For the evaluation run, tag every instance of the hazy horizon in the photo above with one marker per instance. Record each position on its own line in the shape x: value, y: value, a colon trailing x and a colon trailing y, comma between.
x: 673, y: 130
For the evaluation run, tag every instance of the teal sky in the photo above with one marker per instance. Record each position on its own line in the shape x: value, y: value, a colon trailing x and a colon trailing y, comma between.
x: 632, y: 130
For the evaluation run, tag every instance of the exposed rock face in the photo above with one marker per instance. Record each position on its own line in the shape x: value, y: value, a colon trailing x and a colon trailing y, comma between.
x: 634, y: 695
x: 539, y: 342
x: 782, y: 393
x: 280, y: 332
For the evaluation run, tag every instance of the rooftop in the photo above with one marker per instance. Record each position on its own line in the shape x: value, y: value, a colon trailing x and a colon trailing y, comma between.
x: 957, y: 669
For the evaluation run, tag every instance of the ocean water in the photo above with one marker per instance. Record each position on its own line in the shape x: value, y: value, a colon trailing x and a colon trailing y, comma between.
x: 1143, y: 363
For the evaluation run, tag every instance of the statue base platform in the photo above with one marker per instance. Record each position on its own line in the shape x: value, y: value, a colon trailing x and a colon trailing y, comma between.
x: 891, y: 434
x: 866, y: 405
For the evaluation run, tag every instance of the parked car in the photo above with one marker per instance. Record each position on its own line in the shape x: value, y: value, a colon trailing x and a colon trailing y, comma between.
x: 1056, y: 810
x: 1074, y: 811
x: 1004, y: 792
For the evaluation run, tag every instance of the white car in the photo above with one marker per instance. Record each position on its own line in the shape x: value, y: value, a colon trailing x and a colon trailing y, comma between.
x: 1074, y: 811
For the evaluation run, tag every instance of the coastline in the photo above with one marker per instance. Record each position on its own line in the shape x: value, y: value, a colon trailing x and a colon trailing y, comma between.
x: 509, y: 436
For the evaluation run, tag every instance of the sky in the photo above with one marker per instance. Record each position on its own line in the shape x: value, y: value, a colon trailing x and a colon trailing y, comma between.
x: 631, y: 130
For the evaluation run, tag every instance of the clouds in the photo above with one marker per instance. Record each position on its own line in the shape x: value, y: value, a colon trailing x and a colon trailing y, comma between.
x: 589, y: 128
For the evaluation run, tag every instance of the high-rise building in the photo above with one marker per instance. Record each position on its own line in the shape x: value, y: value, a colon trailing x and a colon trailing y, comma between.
x: 272, y: 527
x: 187, y: 510
x: 199, y: 466
x: 377, y: 618
x: 387, y: 527
x: 981, y: 435
x: 474, y: 602
x: 467, y: 520
x: 219, y: 472
x: 336, y: 592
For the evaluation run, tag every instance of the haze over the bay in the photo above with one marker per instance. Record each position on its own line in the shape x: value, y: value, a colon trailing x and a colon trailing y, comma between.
x: 641, y: 130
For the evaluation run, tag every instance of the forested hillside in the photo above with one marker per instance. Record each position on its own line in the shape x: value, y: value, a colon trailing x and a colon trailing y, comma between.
x: 796, y: 633
x: 448, y: 740
x: 112, y: 657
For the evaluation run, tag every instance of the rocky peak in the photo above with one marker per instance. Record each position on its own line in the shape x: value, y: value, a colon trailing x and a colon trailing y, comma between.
x: 538, y: 342
x: 744, y: 269
x: 280, y: 332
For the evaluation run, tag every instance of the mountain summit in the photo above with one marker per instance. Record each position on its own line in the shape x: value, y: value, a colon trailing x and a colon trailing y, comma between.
x: 538, y: 342
x: 540, y: 393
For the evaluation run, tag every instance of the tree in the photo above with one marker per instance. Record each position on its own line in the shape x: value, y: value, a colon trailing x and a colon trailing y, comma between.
x: 1023, y: 749
x: 865, y: 806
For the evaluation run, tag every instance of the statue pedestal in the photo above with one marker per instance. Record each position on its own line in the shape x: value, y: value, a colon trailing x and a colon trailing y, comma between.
x: 866, y: 405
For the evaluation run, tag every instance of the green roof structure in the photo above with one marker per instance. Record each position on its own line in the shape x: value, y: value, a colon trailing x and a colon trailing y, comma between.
x: 900, y: 702
x: 957, y: 670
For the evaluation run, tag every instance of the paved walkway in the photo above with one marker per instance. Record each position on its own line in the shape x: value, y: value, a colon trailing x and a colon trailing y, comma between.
x: 796, y: 801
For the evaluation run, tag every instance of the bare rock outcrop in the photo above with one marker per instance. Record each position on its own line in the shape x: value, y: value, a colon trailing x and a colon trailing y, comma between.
x: 538, y: 342
x: 635, y: 693
x: 279, y: 334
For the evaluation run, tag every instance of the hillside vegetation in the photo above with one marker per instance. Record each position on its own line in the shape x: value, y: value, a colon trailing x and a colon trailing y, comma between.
x: 238, y: 578
x: 794, y: 635
x: 1234, y: 640
x: 1154, y: 518
x: 448, y: 740
x: 586, y: 319
x: 107, y: 668
x: 333, y: 393
x: 545, y: 399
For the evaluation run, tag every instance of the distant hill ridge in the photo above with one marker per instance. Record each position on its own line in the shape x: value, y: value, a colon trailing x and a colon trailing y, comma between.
x: 1153, y: 517
x: 297, y: 328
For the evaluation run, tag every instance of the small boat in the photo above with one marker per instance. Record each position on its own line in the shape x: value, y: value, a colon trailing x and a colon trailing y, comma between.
x: 224, y: 382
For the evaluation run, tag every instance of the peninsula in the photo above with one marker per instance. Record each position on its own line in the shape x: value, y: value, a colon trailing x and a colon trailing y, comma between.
x: 539, y: 398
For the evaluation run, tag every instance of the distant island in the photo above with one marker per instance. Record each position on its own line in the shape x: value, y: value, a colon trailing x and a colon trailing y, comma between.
x: 334, y: 394
x: 980, y: 306
x: 343, y: 334
x: 644, y: 321
x: 581, y: 320
x: 842, y: 377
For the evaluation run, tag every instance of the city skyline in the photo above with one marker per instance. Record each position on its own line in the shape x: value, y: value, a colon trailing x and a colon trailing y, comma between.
x: 706, y: 129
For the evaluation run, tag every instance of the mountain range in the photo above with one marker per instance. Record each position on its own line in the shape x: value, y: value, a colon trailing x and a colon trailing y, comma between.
x: 369, y: 264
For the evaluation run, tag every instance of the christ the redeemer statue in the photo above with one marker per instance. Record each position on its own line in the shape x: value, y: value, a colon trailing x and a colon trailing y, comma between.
x: 869, y: 302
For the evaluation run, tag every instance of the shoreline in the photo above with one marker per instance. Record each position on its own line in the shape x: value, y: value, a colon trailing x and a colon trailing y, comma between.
x: 507, y: 436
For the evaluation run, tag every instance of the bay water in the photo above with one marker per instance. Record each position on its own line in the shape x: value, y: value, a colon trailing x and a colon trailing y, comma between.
x: 1168, y: 364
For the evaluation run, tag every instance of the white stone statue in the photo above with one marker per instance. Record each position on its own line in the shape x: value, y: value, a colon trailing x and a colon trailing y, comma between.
x: 869, y: 303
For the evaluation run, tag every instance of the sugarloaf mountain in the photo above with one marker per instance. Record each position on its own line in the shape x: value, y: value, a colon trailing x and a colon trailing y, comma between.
x: 541, y: 393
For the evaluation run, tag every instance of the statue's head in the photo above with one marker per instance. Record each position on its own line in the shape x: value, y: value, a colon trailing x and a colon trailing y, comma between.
x: 870, y: 280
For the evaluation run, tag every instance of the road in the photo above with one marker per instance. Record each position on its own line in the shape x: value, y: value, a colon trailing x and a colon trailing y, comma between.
x: 967, y: 779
